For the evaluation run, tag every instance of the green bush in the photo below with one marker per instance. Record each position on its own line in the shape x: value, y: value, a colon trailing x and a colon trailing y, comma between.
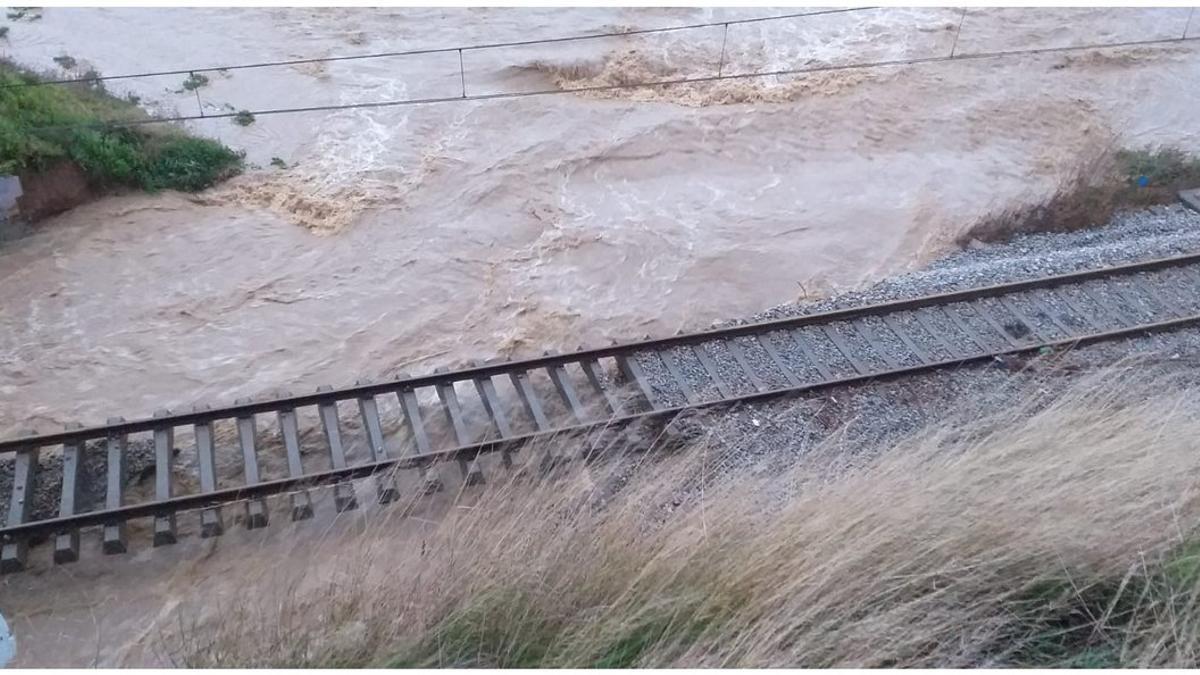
x: 1098, y: 188
x: 1169, y: 168
x: 194, y: 82
x: 188, y: 164
x: 24, y: 13
x: 114, y: 155
x: 40, y: 126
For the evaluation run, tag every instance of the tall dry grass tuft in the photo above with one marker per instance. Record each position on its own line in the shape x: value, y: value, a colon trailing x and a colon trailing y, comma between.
x: 1105, y: 181
x: 1057, y: 532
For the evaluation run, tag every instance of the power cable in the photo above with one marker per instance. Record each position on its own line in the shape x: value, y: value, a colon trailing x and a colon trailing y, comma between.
x: 438, y: 50
x: 638, y: 85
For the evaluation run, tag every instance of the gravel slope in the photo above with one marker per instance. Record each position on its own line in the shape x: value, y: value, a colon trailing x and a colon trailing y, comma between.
x: 785, y: 430
x: 1132, y: 236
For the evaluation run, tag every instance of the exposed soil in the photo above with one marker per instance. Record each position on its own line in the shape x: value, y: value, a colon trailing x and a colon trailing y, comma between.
x: 59, y: 188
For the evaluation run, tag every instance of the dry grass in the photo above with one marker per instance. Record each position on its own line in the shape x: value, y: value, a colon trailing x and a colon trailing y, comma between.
x: 1059, y: 533
x: 1105, y: 182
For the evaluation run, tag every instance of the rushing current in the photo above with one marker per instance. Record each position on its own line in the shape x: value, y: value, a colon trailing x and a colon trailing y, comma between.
x: 364, y: 243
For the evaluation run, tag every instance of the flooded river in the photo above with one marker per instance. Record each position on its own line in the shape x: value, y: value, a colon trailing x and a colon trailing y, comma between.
x: 399, y: 239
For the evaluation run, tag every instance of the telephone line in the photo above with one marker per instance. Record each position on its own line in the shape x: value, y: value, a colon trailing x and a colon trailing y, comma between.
x: 437, y: 50
x: 638, y: 85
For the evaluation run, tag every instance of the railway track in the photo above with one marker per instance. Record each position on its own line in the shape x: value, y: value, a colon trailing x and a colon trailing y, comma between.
x: 406, y: 436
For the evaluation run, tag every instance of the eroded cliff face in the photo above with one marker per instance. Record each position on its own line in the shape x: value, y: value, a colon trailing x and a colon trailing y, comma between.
x: 54, y: 190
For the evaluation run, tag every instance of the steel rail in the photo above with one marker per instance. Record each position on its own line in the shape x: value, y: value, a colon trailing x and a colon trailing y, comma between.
x: 194, y: 502
x: 615, y: 350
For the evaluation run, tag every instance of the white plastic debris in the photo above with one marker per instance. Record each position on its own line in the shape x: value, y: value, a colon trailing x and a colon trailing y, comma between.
x: 8, y: 644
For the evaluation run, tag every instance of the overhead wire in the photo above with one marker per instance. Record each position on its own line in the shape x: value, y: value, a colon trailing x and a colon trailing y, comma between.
x: 438, y: 50
x: 638, y: 85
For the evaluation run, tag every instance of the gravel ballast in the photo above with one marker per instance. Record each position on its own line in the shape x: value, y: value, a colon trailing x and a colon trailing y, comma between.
x: 1133, y: 236
x: 872, y: 414
x: 877, y: 411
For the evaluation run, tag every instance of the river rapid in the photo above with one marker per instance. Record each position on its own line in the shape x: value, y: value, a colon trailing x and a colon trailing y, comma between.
x: 400, y: 239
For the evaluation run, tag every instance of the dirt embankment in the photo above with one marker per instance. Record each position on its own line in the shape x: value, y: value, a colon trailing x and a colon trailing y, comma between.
x: 45, y: 193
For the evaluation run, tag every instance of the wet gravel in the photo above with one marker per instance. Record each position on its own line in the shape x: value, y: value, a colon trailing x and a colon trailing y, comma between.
x: 692, y: 371
x: 47, y: 489
x: 773, y: 435
x: 1170, y: 284
x: 878, y: 411
x: 791, y: 353
x: 727, y: 369
x: 1018, y: 320
x: 1160, y: 232
x: 911, y: 325
x: 874, y: 413
x: 764, y: 367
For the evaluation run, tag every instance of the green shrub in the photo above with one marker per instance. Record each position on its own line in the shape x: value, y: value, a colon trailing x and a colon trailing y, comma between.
x: 91, y: 78
x: 24, y: 13
x: 1099, y: 187
x: 43, y: 125
x: 114, y: 155
x: 188, y: 164
x: 194, y: 82
x: 1168, y: 168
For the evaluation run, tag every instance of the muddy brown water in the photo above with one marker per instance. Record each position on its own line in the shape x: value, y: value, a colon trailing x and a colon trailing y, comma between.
x: 405, y: 238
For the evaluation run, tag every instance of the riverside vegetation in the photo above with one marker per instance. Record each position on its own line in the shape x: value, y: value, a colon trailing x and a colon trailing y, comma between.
x: 41, y: 126
x: 1101, y: 185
